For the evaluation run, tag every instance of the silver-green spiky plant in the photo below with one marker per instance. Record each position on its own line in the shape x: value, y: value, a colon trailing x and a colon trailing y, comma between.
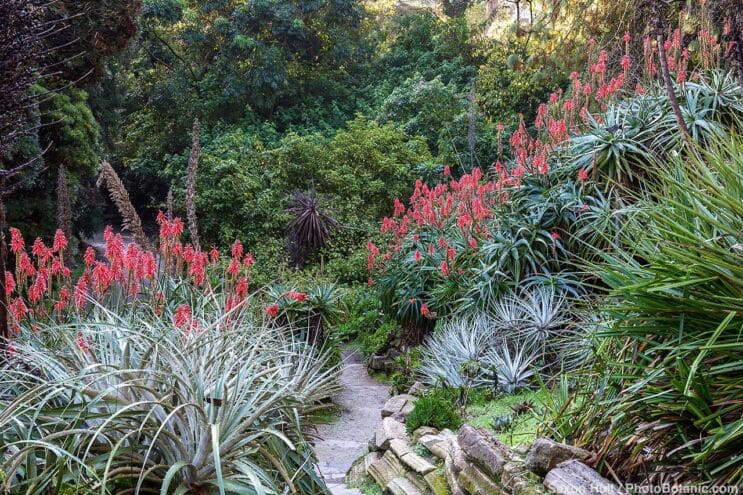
x: 131, y: 404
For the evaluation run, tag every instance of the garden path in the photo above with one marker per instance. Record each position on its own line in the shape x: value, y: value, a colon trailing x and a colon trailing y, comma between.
x: 344, y: 440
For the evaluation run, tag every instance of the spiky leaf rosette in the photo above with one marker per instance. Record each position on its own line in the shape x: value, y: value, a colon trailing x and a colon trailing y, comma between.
x: 310, y: 228
x: 125, y: 400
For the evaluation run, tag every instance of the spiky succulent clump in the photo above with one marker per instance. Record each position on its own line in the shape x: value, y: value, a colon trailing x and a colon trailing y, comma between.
x: 125, y: 402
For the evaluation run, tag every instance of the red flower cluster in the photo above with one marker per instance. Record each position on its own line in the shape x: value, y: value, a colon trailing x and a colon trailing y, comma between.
x: 41, y: 281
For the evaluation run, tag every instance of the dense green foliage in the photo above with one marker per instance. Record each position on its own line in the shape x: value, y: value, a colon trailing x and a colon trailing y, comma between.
x: 435, y: 411
x: 669, y: 369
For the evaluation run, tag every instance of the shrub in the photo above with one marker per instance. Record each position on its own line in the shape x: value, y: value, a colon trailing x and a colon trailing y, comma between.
x: 462, y: 244
x: 377, y: 341
x: 433, y: 411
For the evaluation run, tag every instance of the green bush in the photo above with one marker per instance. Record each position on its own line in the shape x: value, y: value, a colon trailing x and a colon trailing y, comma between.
x: 245, y: 181
x: 376, y: 342
x: 433, y: 410
x: 505, y: 89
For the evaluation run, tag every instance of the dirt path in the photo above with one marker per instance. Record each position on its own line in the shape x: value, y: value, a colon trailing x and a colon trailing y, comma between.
x: 342, y: 441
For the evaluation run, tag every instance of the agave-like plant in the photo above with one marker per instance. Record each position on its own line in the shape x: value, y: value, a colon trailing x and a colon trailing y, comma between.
x: 125, y: 403
x: 534, y: 314
x: 511, y: 366
x: 617, y: 145
x: 451, y: 356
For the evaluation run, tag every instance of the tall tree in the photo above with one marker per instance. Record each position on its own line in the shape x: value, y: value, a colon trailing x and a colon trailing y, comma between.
x: 23, y: 63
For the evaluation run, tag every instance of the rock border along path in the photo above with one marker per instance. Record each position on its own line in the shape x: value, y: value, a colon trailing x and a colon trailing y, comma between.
x: 343, y: 441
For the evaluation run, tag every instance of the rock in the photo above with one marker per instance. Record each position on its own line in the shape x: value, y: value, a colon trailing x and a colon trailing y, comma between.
x: 407, y: 408
x: 417, y: 463
x: 387, y: 430
x: 515, y: 479
x: 382, y: 363
x: 403, y: 486
x: 398, y: 404
x: 400, y: 447
x: 417, y: 389
x: 520, y: 449
x: 356, y: 474
x: 453, y: 465
x: 439, y: 444
x: 370, y: 459
x: 457, y: 457
x: 573, y: 476
x: 422, y: 431
x: 436, y: 481
x: 545, y: 454
x: 475, y: 482
x: 484, y: 450
x: 387, y: 468
x: 418, y: 481
x: 372, y: 443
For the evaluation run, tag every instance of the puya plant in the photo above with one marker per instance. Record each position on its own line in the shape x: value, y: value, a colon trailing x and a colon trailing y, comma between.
x: 123, y: 401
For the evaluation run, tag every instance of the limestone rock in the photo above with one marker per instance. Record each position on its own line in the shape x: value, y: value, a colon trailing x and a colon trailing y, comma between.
x: 387, y: 430
x: 357, y: 472
x: 475, y: 482
x: 573, y: 476
x: 439, y: 444
x: 407, y: 408
x: 515, y: 479
x: 372, y: 444
x: 457, y: 457
x: 417, y: 463
x: 520, y: 449
x: 422, y: 431
x: 484, y: 450
x: 417, y: 389
x: 387, y: 468
x: 545, y: 454
x: 418, y: 481
x: 403, y: 486
x: 370, y: 459
x: 437, y: 483
x: 400, y: 447
x: 453, y: 465
x: 382, y: 363
x: 397, y: 404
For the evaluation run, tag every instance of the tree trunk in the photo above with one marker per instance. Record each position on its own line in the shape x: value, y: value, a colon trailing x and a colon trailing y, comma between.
x: 4, y: 328
x: 669, y: 85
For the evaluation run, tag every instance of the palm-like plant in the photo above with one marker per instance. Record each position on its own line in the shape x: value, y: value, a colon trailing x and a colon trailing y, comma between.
x: 121, y: 402
x: 310, y: 228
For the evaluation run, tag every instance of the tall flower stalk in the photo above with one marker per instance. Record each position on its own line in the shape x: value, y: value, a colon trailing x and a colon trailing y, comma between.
x: 120, y: 197
x: 193, y: 165
x: 64, y: 207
